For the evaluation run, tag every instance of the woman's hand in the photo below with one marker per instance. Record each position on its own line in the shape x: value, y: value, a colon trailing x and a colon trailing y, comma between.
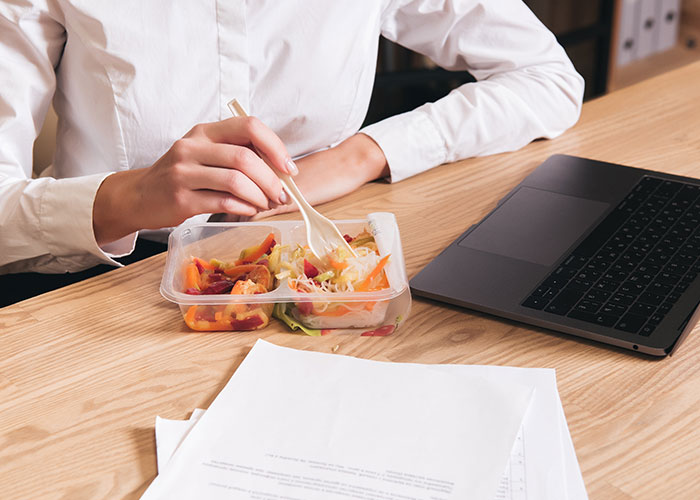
x: 335, y: 172
x: 212, y: 169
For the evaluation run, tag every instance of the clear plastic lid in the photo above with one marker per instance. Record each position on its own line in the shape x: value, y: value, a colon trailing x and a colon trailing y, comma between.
x: 224, y: 241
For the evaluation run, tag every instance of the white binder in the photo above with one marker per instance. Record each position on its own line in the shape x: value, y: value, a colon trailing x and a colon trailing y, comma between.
x: 627, y: 32
x: 648, y: 27
x: 669, y: 14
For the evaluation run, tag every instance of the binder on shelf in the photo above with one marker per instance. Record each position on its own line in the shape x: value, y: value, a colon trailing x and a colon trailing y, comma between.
x: 668, y: 15
x: 627, y: 32
x: 648, y: 28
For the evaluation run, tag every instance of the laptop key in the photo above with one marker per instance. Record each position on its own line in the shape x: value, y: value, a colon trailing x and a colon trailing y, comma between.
x: 684, y: 259
x: 535, y: 302
x: 622, y: 299
x: 668, y: 278
x: 614, y: 309
x: 676, y: 268
x: 563, y: 303
x: 659, y: 288
x: 641, y: 278
x: 649, y: 269
x: 689, y: 277
x: 554, y: 282
x: 598, y: 265
x: 630, y: 323
x: 647, y: 330
x: 631, y: 288
x: 648, y: 184
x: 665, y: 307
x: 588, y: 306
x: 575, y: 261
x: 607, y: 285
x: 588, y: 275
x: 668, y: 188
x: 650, y: 298
x: 598, y: 319
x: 564, y: 272
x: 582, y: 285
x: 597, y: 295
x: 656, y: 318
x: 642, y: 309
x: 612, y: 275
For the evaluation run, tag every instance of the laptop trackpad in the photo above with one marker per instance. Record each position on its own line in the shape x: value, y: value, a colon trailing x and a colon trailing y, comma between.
x: 535, y: 225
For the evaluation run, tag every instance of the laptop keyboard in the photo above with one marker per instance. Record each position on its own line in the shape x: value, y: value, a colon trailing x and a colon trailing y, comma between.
x: 634, y: 266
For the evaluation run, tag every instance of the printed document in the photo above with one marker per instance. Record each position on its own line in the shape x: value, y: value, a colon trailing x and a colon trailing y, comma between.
x: 304, y: 425
x: 542, y: 463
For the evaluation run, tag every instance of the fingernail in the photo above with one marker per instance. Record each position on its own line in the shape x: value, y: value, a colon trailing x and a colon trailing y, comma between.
x: 284, y: 198
x: 291, y: 167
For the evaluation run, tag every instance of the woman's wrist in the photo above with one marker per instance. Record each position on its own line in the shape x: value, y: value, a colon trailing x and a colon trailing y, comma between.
x: 362, y: 154
x: 114, y: 203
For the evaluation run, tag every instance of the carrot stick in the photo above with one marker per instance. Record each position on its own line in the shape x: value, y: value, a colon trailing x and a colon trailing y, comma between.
x: 337, y: 265
x: 373, y: 274
x: 340, y: 310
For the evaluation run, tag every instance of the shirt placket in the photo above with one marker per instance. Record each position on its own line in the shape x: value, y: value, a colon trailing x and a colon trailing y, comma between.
x: 234, y: 68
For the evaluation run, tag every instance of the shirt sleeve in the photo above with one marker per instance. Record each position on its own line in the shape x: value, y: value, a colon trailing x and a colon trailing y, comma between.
x: 45, y: 223
x: 526, y: 87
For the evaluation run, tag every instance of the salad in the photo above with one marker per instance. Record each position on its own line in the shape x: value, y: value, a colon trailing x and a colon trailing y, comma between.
x: 261, y: 268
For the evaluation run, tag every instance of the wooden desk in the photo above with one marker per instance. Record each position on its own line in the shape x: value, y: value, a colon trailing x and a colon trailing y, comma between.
x: 85, y: 370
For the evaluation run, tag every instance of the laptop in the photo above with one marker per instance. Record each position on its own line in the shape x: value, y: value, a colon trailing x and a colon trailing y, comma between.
x: 593, y: 249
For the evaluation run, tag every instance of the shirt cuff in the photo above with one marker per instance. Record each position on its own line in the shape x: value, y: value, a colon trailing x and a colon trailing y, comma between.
x: 411, y: 143
x: 66, y: 220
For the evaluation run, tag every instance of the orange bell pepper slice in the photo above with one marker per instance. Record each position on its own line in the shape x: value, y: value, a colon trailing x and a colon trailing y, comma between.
x: 250, y: 255
x: 203, y: 325
x: 192, y: 278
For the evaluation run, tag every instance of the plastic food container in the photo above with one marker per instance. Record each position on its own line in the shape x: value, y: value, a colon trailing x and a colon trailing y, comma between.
x: 371, y: 313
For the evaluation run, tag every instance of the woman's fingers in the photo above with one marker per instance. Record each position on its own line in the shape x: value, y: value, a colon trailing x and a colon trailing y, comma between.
x: 229, y: 182
x: 250, y: 131
x: 236, y: 170
x: 207, y: 201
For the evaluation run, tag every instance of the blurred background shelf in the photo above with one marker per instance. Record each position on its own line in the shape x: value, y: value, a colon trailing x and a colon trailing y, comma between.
x: 685, y: 51
x: 653, y: 65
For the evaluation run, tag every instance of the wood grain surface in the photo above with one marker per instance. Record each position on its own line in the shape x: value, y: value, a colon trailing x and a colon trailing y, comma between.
x: 85, y: 370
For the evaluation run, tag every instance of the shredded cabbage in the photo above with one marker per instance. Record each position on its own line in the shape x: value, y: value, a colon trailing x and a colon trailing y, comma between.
x: 347, y: 279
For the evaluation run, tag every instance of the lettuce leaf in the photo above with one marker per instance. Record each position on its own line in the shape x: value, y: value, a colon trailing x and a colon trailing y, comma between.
x: 280, y: 312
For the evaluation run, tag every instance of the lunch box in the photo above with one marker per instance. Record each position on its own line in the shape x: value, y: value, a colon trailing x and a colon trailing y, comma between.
x: 378, y: 312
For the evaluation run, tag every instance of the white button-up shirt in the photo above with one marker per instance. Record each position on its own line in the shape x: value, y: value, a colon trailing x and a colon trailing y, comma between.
x: 129, y: 77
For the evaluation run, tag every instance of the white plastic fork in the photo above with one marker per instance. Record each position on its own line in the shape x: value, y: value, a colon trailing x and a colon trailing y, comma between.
x: 322, y: 235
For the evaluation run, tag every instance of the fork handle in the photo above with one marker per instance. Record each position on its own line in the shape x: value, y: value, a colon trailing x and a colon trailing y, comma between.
x: 293, y: 190
x: 287, y: 181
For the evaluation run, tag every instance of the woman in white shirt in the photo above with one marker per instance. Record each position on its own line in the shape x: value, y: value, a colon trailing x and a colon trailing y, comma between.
x: 131, y: 81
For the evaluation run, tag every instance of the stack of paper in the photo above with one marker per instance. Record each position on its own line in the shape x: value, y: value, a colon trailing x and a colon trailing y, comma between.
x: 304, y: 425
